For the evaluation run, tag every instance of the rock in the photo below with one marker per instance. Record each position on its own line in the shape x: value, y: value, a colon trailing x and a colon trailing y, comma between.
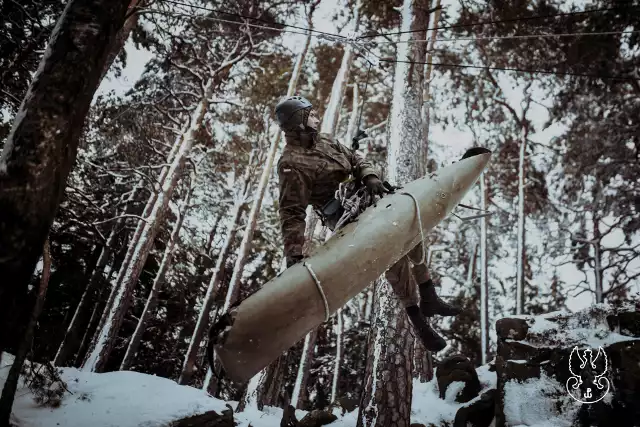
x: 479, y: 413
x: 289, y: 417
x: 532, y: 366
x: 417, y: 425
x: 515, y: 329
x: 208, y: 419
x: 458, y: 368
x: 625, y: 323
x: 317, y: 418
x: 346, y: 404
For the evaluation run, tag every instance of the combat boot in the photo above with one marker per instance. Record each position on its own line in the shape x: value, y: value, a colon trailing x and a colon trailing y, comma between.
x: 475, y: 151
x: 430, y: 338
x: 431, y: 304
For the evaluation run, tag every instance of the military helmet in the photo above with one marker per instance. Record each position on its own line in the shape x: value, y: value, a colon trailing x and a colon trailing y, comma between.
x: 286, y: 109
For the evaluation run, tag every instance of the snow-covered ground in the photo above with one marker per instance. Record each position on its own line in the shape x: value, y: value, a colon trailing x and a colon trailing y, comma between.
x: 132, y: 399
x: 427, y: 407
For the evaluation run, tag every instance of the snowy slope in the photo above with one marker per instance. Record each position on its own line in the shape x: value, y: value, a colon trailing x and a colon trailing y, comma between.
x: 427, y: 408
x: 125, y: 399
x: 132, y: 399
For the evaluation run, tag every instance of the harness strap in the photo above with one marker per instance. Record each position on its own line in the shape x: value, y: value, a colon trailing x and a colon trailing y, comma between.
x: 327, y: 312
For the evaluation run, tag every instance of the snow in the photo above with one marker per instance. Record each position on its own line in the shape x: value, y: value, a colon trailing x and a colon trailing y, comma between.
x: 587, y: 328
x: 529, y: 403
x: 120, y: 399
x: 132, y: 399
x: 452, y: 391
x: 427, y: 407
x: 127, y: 399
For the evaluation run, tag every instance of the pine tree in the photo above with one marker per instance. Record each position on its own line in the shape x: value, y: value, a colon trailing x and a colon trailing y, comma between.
x: 42, y: 144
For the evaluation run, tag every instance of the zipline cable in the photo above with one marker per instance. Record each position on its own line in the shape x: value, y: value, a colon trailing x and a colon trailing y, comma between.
x: 523, y: 70
x: 249, y: 17
x: 395, y: 61
x: 516, y: 36
x: 284, y: 30
x: 499, y: 21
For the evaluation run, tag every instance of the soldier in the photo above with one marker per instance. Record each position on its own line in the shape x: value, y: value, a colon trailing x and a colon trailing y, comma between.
x: 310, y: 170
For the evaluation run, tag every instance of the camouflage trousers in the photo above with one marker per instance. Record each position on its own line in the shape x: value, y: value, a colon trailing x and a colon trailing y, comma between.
x: 405, y: 276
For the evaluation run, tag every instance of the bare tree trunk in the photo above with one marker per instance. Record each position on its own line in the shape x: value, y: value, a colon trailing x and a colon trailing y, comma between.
x: 338, y: 361
x: 484, y: 271
x: 299, y: 394
x: 133, y: 243
x: 339, y: 87
x: 274, y: 380
x: 426, y: 101
x: 11, y: 383
x: 214, y: 284
x: 152, y: 300
x: 597, y: 256
x: 70, y: 341
x: 386, y: 399
x: 521, y: 254
x: 352, y: 127
x: 245, y: 245
x: 42, y: 144
x: 94, y: 322
x: 98, y: 358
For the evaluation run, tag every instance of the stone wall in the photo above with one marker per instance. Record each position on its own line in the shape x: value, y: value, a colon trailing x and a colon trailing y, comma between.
x: 533, y: 362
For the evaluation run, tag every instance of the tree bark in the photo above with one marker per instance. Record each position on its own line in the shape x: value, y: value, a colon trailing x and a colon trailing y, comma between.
x: 214, y: 284
x: 338, y: 361
x: 422, y: 362
x: 42, y: 144
x: 426, y: 101
x: 484, y: 271
x: 352, y: 126
x: 386, y: 400
x: 597, y: 256
x: 11, y: 383
x: 152, y: 299
x: 521, y: 253
x: 70, y: 341
x: 339, y: 87
x: 299, y: 394
x: 94, y: 322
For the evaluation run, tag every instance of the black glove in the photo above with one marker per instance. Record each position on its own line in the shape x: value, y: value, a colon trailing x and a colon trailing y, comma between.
x: 294, y: 260
x: 377, y: 187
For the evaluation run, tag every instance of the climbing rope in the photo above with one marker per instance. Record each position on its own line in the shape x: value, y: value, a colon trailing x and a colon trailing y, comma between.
x: 327, y: 312
x: 422, y: 238
x: 353, y: 201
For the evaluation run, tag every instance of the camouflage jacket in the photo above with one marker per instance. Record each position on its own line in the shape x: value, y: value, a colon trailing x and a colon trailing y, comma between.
x: 311, y: 176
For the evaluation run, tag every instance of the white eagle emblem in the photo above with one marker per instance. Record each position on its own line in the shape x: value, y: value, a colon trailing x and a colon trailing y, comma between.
x: 587, y: 383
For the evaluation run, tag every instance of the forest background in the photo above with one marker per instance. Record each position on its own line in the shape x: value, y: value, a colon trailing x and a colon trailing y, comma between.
x: 128, y: 293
